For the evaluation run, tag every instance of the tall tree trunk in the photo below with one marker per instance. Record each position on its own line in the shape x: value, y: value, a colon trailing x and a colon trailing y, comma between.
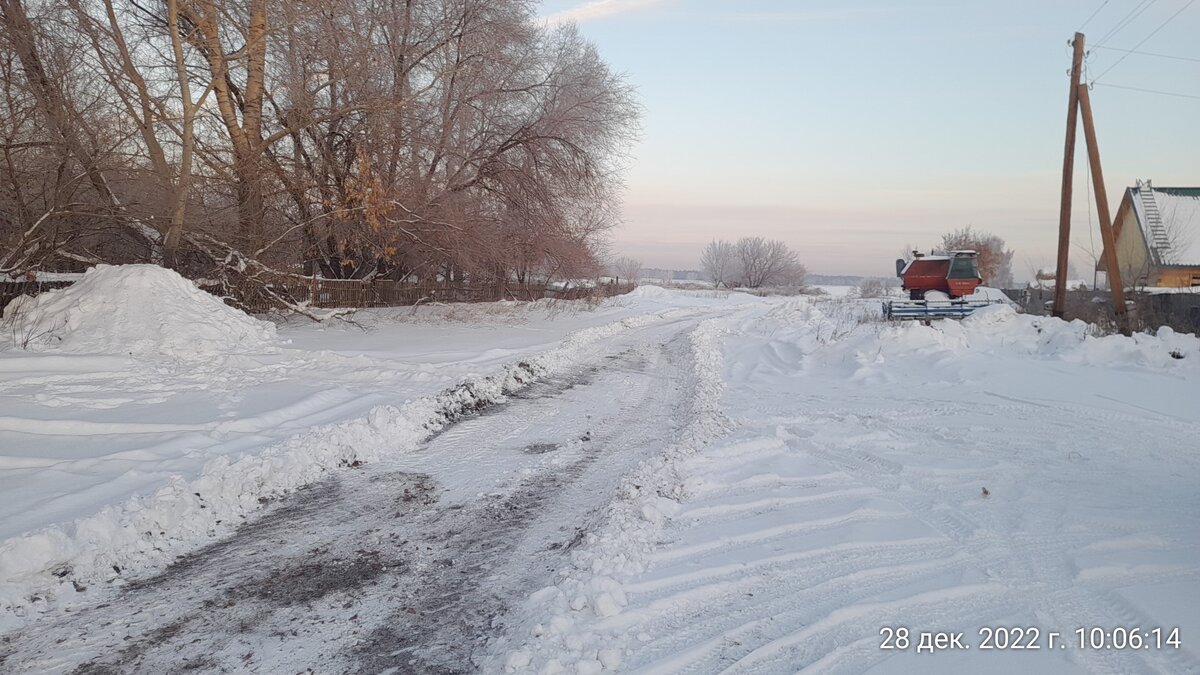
x: 245, y: 135
x: 187, y: 139
x: 53, y: 103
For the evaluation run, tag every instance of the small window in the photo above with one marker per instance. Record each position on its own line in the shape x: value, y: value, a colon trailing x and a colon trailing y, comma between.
x: 963, y: 268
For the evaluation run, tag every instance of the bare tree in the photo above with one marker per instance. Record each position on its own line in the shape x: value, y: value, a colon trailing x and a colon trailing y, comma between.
x: 65, y: 122
x: 995, y: 262
x: 768, y: 262
x: 626, y: 269
x: 719, y: 260
x: 871, y: 288
x: 450, y: 140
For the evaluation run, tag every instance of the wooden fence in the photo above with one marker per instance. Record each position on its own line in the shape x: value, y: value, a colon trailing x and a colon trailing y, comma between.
x: 1180, y: 311
x: 337, y: 293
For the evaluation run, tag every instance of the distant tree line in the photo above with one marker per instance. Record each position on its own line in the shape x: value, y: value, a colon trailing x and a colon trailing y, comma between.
x: 752, y: 262
x: 455, y: 139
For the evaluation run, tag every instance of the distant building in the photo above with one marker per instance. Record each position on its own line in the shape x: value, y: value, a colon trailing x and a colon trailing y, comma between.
x: 655, y: 274
x: 1158, y: 237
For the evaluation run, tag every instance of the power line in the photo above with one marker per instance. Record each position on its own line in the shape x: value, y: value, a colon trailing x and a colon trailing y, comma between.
x: 1134, y: 13
x: 1148, y: 91
x: 1161, y: 56
x: 1089, y: 19
x: 1152, y: 34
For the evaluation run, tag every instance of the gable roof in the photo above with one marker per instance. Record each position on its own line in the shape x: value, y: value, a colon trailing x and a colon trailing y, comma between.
x: 1169, y: 218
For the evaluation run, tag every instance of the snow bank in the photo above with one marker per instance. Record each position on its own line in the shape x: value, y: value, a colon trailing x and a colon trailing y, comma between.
x: 847, y: 336
x: 138, y: 310
x: 853, y: 489
x: 650, y: 291
x: 569, y: 625
x: 650, y: 294
x: 989, y: 294
x: 1000, y: 330
x: 45, y: 568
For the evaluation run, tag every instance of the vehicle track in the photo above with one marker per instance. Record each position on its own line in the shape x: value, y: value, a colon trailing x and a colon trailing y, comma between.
x: 406, y: 565
x: 756, y: 575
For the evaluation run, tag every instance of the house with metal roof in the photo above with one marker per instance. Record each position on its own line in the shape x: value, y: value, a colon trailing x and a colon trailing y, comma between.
x: 1158, y: 237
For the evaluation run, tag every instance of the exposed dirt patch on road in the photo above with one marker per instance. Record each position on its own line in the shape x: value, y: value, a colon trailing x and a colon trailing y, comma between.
x: 301, y: 505
x: 459, y: 605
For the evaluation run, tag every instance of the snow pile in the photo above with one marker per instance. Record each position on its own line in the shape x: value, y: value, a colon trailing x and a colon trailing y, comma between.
x: 986, y: 293
x: 135, y: 309
x: 675, y: 297
x: 576, y: 622
x: 1000, y: 330
x: 847, y: 337
x: 39, y: 569
x: 650, y: 291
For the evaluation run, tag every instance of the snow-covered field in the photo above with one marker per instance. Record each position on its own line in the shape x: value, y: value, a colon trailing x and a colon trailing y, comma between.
x: 822, y: 479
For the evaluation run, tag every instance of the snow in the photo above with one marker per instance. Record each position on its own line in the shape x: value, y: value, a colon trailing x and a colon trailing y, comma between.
x: 817, y: 474
x: 127, y: 459
x: 141, y: 310
x: 1181, y: 220
x: 1161, y: 290
x: 843, y: 490
x: 838, y: 291
x: 987, y: 294
x: 1048, y: 284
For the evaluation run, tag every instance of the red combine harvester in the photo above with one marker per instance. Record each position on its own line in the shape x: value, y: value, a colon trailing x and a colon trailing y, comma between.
x: 938, y: 287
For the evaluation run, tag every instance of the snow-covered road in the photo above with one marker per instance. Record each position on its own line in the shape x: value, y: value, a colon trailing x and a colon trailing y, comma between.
x: 116, y: 461
x: 678, y: 483
x: 407, y: 563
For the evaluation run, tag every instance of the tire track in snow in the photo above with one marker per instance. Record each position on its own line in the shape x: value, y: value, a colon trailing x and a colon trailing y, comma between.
x: 700, y: 644
x: 146, y: 532
x: 800, y: 648
x: 725, y: 512
x: 1021, y: 562
x: 587, y: 589
x: 361, y: 572
x: 1034, y: 563
x: 737, y: 601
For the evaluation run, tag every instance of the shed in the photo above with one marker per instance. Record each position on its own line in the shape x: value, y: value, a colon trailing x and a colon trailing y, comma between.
x: 1157, y: 231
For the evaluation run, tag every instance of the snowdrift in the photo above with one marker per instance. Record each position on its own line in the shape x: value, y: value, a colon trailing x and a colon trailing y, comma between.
x: 844, y: 335
x: 1000, y: 330
x: 139, y: 310
x: 42, y: 569
x: 563, y: 624
x: 830, y: 456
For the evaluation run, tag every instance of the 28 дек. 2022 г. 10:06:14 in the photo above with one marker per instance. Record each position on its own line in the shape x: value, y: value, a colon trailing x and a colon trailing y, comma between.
x: 1030, y: 637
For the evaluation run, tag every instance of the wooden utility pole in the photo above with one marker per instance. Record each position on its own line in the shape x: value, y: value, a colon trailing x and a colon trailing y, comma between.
x: 1106, y: 232
x: 1064, y: 212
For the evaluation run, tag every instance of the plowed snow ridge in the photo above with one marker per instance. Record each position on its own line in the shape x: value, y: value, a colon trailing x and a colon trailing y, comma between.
x: 148, y: 531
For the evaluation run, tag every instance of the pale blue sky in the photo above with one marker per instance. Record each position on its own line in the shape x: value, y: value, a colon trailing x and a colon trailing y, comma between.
x: 851, y: 129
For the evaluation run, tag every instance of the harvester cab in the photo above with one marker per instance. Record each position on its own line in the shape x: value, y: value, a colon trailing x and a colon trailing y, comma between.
x: 954, y: 275
x: 938, y: 286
